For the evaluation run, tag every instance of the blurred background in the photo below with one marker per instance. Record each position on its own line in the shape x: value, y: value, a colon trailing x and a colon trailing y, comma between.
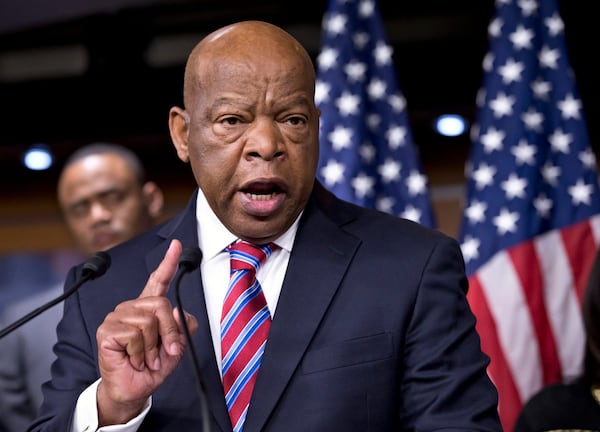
x: 73, y: 72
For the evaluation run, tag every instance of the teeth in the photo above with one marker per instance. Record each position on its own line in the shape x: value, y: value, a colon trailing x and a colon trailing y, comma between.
x: 261, y: 197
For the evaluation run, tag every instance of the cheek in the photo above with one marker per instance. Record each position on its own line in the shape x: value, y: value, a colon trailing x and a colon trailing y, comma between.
x: 212, y: 163
x: 80, y: 231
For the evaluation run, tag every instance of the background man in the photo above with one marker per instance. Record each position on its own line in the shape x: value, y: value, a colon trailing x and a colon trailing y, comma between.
x: 105, y: 199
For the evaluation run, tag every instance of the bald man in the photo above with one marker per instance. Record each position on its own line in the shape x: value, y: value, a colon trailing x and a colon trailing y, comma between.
x: 369, y: 325
x: 105, y: 199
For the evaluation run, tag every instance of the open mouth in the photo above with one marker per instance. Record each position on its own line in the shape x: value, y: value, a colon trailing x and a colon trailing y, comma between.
x: 262, y: 198
x: 262, y: 191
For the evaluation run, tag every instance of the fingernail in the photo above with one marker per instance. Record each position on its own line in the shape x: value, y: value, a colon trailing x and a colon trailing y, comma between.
x: 174, y: 348
x: 156, y: 364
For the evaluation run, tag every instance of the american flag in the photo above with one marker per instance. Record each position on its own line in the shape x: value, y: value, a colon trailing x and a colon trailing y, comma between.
x: 367, y: 152
x: 531, y: 223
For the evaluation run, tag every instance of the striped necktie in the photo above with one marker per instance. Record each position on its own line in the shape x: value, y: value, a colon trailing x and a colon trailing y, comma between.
x: 245, y: 323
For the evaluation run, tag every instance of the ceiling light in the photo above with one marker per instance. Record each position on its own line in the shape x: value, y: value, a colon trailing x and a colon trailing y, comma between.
x: 38, y: 158
x: 450, y: 125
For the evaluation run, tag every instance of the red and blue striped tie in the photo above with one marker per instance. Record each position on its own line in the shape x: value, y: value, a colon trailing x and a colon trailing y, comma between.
x: 245, y: 324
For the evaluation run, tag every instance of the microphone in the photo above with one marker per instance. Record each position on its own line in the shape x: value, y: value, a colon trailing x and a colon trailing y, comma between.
x: 189, y: 260
x: 94, y: 266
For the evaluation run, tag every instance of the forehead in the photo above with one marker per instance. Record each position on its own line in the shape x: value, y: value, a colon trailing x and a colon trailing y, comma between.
x: 276, y: 80
x: 95, y: 172
x: 250, y: 56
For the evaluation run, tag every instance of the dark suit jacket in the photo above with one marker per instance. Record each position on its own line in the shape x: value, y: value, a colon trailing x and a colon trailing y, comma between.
x: 372, y: 332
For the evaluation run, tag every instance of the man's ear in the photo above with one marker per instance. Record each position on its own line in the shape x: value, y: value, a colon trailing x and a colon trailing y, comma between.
x: 155, y: 199
x: 179, y: 121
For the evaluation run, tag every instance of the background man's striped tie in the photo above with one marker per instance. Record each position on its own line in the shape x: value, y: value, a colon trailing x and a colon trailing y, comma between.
x: 245, y: 324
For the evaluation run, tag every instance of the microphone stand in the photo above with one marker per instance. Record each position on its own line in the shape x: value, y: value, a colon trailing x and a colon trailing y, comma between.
x: 95, y: 266
x: 190, y: 260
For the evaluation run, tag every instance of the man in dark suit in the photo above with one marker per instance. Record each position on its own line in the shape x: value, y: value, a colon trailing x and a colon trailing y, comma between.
x: 105, y: 199
x: 370, y: 331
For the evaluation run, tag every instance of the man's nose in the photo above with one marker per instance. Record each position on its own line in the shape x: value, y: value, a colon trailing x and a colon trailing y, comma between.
x: 264, y: 139
x: 99, y: 212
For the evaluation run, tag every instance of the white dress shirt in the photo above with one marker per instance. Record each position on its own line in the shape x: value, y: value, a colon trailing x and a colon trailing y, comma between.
x: 213, y: 238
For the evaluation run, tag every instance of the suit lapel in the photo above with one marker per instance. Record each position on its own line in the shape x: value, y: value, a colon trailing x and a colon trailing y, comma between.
x: 321, y: 255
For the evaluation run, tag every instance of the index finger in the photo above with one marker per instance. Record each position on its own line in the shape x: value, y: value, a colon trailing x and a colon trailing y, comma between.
x: 160, y: 279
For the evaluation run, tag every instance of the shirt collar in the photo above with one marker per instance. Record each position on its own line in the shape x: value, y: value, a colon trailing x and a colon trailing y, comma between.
x: 214, y: 237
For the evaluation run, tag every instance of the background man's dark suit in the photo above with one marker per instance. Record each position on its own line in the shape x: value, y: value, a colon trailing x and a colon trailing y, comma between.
x: 367, y: 301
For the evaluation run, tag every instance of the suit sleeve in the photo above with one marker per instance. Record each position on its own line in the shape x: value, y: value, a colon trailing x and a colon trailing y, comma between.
x: 445, y: 383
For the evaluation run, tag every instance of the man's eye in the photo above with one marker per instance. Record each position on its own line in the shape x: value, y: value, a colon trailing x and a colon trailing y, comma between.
x: 296, y: 120
x: 231, y: 121
x: 112, y: 199
x: 79, y: 210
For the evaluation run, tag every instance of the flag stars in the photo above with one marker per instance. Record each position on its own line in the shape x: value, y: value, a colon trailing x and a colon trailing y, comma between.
x: 555, y: 24
x: 484, y: 175
x: 521, y: 38
x: 416, y: 183
x: 327, y: 58
x: 376, y: 89
x: 549, y: 57
x: 543, y: 205
x: 373, y: 121
x: 502, y: 105
x: 348, y: 104
x: 333, y: 172
x: 506, y: 221
x: 475, y: 212
x: 560, y: 141
x: 550, y: 173
x: 340, y: 138
x: 588, y: 158
x: 524, y: 153
x: 492, y: 140
x: 367, y: 153
x: 355, y: 71
x: 541, y: 89
x: 495, y: 27
x: 511, y: 71
x: 336, y: 24
x: 470, y: 248
x: 322, y: 90
x: 383, y: 54
x: 363, y: 185
x: 396, y: 136
x: 385, y: 204
x: 569, y: 107
x: 397, y: 102
x: 514, y: 186
x: 533, y: 119
x: 528, y: 7
x: 389, y: 170
x: 412, y: 213
x: 360, y: 40
x: 366, y: 8
x: 488, y: 62
x: 580, y: 192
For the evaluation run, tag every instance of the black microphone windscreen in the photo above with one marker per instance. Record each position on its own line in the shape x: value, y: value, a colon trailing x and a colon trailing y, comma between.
x: 96, y: 265
x: 190, y: 258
